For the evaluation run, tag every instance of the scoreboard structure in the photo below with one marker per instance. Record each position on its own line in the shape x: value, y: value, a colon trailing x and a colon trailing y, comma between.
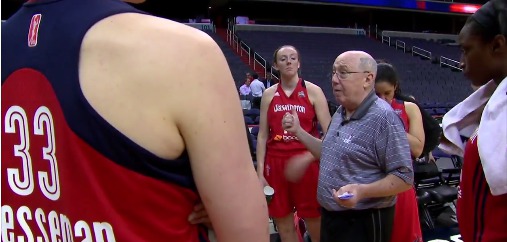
x: 420, y: 5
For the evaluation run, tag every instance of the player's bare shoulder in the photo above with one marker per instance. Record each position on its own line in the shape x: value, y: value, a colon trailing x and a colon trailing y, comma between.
x: 149, y: 50
x: 312, y: 88
x: 410, y: 104
x: 147, y: 37
x: 134, y: 65
x: 269, y: 93
x: 271, y: 90
x: 314, y: 91
x: 411, y: 107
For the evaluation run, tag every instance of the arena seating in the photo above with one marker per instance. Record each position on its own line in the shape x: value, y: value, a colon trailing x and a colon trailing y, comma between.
x: 429, y: 83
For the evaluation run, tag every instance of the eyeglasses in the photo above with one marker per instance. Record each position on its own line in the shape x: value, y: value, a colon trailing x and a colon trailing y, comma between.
x: 345, y: 74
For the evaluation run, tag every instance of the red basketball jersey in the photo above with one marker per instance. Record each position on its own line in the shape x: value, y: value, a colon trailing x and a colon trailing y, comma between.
x: 279, y: 140
x: 399, y: 108
x: 66, y: 173
x: 482, y: 217
x: 406, y: 226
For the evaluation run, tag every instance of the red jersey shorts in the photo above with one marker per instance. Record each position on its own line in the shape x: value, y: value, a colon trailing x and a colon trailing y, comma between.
x: 406, y: 225
x: 301, y: 195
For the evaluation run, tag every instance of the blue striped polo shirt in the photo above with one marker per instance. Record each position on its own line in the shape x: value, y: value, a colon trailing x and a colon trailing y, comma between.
x: 362, y: 150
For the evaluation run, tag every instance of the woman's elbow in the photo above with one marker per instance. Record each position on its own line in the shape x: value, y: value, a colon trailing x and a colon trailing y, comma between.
x: 416, y: 150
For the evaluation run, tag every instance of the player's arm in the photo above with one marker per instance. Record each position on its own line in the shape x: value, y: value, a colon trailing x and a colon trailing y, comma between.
x: 320, y: 105
x: 262, y: 136
x: 415, y: 133
x: 207, y: 112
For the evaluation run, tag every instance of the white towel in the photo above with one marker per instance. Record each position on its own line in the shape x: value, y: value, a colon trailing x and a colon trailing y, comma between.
x: 490, y: 117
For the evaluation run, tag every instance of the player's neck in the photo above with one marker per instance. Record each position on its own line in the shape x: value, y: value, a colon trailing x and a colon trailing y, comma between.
x: 289, y: 83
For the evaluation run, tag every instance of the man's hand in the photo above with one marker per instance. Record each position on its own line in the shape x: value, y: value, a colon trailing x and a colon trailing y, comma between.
x: 290, y: 122
x: 297, y: 165
x: 353, y: 189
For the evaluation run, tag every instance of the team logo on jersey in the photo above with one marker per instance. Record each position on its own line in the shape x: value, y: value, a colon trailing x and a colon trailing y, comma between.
x: 397, y: 111
x: 285, y: 138
x: 348, y: 139
x: 301, y: 94
x: 288, y: 108
x: 289, y: 138
x: 33, y: 32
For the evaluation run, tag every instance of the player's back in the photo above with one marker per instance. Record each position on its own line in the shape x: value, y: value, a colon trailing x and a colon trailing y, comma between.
x: 72, y: 166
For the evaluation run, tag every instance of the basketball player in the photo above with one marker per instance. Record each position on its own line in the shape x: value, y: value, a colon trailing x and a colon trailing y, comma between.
x: 406, y: 225
x: 104, y: 133
x: 482, y: 196
x: 275, y: 147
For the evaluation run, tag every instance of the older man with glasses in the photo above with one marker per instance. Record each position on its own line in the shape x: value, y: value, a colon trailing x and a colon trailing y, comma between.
x: 364, y: 157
